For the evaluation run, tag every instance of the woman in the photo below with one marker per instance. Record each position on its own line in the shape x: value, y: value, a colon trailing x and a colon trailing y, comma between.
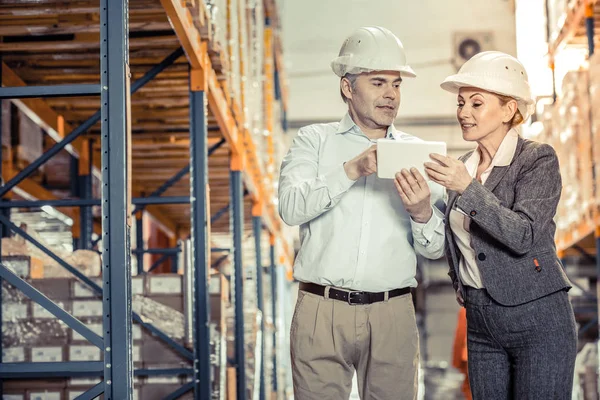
x: 502, y: 198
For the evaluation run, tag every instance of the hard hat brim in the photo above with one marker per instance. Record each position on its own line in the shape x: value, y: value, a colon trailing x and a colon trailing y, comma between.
x: 341, y: 68
x: 454, y: 83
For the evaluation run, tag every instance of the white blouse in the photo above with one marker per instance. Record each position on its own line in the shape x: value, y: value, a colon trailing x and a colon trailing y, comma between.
x: 460, y: 220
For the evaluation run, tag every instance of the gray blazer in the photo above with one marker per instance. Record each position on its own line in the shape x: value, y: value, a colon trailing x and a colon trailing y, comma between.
x: 512, y: 227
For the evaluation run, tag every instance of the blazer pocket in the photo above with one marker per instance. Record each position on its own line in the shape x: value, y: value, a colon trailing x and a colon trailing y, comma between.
x: 542, y: 260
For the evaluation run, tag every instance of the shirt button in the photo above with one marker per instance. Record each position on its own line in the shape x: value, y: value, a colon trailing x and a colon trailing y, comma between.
x: 473, y: 213
x: 481, y: 257
x: 362, y: 252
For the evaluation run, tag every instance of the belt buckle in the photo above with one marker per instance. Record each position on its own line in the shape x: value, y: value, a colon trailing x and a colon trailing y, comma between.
x: 350, y: 297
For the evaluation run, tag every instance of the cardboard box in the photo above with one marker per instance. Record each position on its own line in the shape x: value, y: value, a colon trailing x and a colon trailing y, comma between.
x: 170, y: 300
x: 46, y: 395
x: 13, y: 354
x: 24, y: 266
x: 47, y: 354
x: 84, y: 353
x: 87, y: 308
x: 164, y: 284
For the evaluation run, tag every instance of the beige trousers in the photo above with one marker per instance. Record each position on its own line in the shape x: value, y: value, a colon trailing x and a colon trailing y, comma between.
x: 331, y: 339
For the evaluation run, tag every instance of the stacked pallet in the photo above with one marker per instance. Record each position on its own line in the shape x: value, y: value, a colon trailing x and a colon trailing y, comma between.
x: 32, y: 334
x: 594, y: 90
x: 572, y: 127
x: 239, y: 36
x: 557, y: 10
x: 23, y: 136
x: 27, y: 260
x: 570, y: 137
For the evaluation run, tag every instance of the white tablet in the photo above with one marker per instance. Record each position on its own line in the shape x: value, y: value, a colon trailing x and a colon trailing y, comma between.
x: 394, y: 155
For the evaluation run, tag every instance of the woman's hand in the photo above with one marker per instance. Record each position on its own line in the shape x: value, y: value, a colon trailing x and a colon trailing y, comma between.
x: 448, y: 172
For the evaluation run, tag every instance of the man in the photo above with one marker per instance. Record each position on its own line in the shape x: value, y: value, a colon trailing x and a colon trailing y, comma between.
x: 359, y: 235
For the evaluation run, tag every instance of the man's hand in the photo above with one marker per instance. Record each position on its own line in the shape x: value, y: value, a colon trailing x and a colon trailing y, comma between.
x: 415, y: 194
x: 448, y: 172
x: 363, y: 164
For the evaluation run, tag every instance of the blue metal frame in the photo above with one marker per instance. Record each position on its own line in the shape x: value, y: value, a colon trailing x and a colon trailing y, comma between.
x: 145, y: 201
x: 164, y: 372
x: 139, y: 240
x: 273, y: 272
x: 24, y: 92
x: 65, y: 369
x: 237, y: 221
x: 117, y: 323
x: 97, y: 289
x: 7, y: 223
x: 223, y: 210
x: 92, y: 202
x: 219, y: 249
x: 180, y: 174
x: 92, y: 393
x: 156, y: 263
x: 257, y: 229
x: 180, y: 392
x: 86, y: 222
x: 115, y: 136
x: 25, y: 172
x: 49, y: 305
x: 169, y: 251
x: 62, y: 369
x: 116, y: 291
x: 200, y: 244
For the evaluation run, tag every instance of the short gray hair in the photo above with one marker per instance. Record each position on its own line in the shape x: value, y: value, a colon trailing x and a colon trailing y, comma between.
x: 352, y: 79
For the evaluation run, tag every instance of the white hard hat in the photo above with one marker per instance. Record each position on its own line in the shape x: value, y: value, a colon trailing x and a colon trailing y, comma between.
x: 370, y: 49
x: 495, y: 72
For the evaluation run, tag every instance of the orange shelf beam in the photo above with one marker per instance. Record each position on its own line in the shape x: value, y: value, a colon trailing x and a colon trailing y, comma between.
x: 573, y: 21
x: 570, y: 238
x: 244, y: 154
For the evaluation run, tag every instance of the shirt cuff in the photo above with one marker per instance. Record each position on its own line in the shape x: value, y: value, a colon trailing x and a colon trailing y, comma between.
x: 423, y: 233
x: 337, y: 181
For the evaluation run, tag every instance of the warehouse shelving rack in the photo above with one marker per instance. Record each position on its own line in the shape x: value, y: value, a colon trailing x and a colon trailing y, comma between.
x: 582, y: 239
x: 116, y: 201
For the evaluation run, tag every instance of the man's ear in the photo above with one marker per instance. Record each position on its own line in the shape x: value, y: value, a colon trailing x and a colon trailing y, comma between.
x: 346, y: 88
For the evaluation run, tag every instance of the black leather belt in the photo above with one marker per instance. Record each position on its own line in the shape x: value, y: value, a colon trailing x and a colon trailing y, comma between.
x: 352, y: 297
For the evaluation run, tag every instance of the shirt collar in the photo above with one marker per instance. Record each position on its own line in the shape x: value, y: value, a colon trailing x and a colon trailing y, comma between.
x: 504, y: 155
x: 347, y: 125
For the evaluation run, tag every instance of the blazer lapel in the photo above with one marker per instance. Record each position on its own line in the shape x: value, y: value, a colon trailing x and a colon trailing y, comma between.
x: 498, y: 172
x: 495, y: 177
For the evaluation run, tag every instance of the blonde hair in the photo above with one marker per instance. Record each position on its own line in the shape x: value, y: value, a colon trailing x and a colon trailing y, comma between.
x: 517, y: 119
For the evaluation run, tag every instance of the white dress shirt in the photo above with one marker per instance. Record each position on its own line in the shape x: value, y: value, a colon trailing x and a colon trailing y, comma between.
x: 460, y: 220
x: 354, y: 234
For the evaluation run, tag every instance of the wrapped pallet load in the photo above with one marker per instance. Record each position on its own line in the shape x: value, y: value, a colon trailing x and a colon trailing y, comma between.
x: 572, y: 141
